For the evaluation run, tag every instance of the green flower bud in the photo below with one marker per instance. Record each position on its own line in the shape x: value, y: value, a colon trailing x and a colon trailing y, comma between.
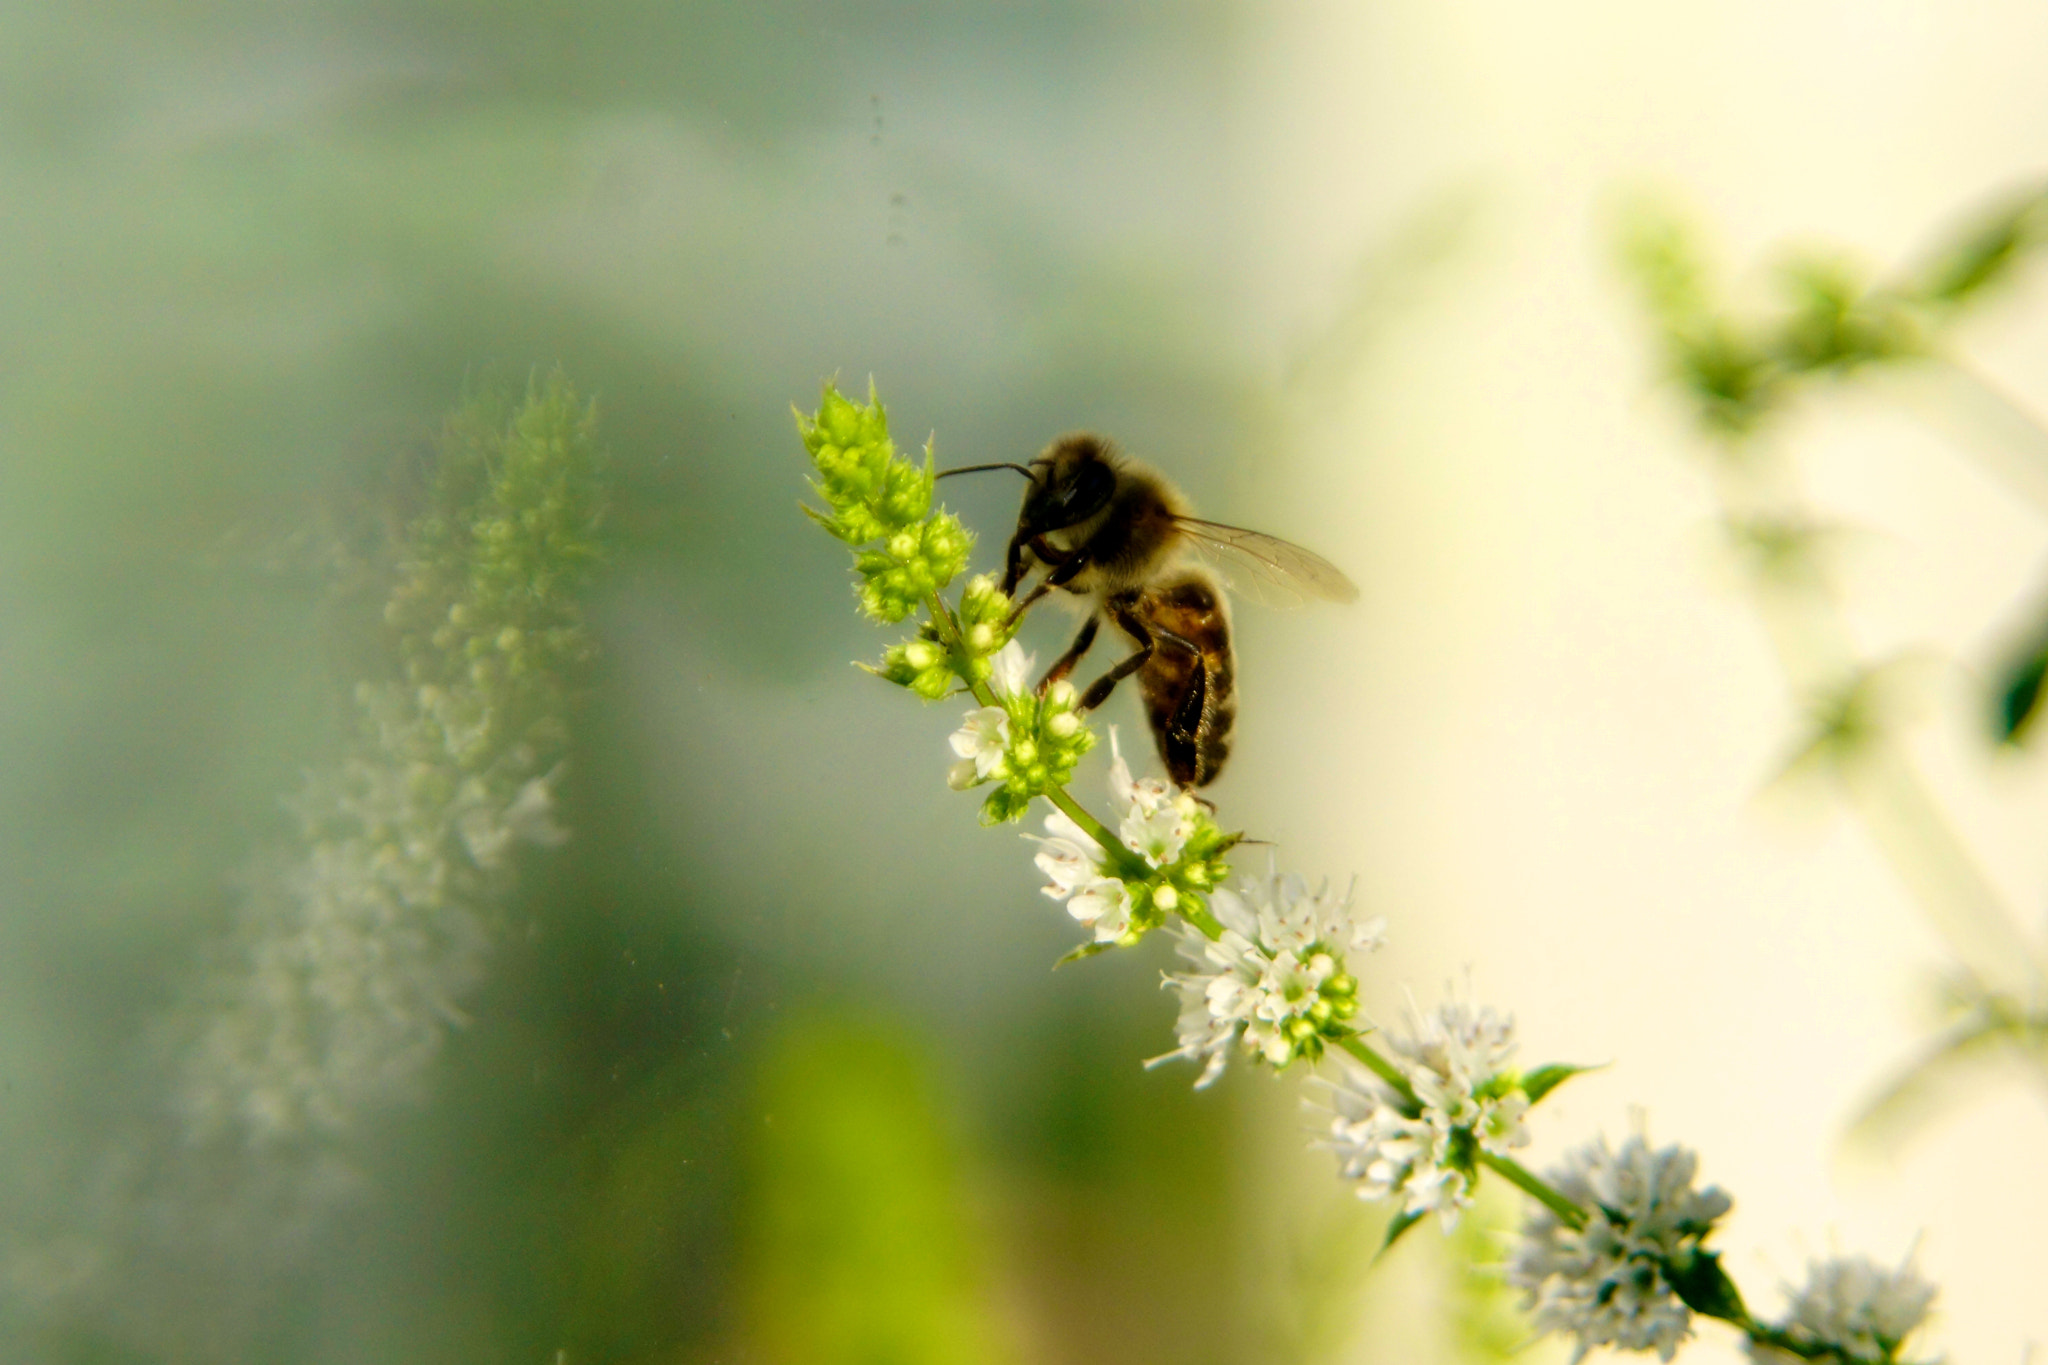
x: 838, y: 419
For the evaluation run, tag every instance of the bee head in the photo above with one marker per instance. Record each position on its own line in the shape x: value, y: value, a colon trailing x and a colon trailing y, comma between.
x: 1071, y: 482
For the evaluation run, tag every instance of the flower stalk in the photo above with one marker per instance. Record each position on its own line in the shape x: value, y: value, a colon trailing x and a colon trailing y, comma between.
x: 1613, y: 1252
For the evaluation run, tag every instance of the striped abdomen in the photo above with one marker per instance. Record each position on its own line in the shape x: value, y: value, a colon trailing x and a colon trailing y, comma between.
x: 1189, y: 682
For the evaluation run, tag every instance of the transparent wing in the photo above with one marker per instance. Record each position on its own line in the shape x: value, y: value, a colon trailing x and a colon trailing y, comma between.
x: 1267, y: 569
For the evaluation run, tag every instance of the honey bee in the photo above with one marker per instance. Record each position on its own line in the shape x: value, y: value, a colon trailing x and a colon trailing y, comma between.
x: 1106, y: 526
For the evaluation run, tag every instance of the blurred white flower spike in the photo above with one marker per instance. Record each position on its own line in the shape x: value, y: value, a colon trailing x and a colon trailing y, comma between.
x: 1615, y: 1280
x: 1850, y: 1309
x: 1423, y: 1145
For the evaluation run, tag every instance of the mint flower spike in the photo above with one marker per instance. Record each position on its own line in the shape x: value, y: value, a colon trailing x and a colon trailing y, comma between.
x: 1275, y: 978
x: 1633, y: 1275
x: 1851, y: 1310
x: 1425, y: 1147
x: 882, y: 506
x: 358, y: 948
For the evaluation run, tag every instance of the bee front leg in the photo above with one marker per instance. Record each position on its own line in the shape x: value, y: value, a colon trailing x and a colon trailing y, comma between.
x: 1065, y: 663
x: 1064, y: 567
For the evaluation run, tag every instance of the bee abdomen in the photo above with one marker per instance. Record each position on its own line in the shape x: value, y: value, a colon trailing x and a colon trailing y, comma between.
x: 1189, y: 683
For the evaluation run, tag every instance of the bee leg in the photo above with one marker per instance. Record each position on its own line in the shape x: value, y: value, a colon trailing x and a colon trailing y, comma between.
x: 1014, y: 567
x: 1065, y: 663
x: 1062, y: 572
x: 1098, y: 692
x: 1133, y: 625
x: 1025, y: 603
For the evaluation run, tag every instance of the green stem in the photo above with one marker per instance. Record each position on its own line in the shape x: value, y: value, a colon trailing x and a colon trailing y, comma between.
x: 1529, y: 1183
x: 1126, y: 860
x: 1380, y: 1067
x: 1199, y: 916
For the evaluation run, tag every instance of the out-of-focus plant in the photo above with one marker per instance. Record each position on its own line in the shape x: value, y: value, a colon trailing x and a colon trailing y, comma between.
x: 1740, y: 372
x: 1614, y: 1252
x: 356, y: 949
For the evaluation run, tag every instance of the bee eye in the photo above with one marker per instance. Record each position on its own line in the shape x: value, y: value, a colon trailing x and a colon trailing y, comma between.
x: 1081, y: 496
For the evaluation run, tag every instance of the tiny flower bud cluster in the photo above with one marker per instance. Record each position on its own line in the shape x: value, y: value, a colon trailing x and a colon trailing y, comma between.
x: 1277, y: 977
x: 1425, y: 1147
x: 1027, y: 744
x: 881, y: 505
x: 1851, y: 1310
x: 911, y: 565
x: 929, y: 667
x: 1169, y: 836
x: 1616, y: 1280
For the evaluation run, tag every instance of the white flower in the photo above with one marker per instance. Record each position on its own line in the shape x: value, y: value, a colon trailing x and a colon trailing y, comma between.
x: 1608, y: 1283
x: 981, y: 743
x: 1011, y: 667
x: 1855, y: 1309
x: 1103, y: 906
x: 1101, y: 903
x: 1275, y: 978
x: 1447, y: 1057
x: 1154, y: 819
x: 529, y: 817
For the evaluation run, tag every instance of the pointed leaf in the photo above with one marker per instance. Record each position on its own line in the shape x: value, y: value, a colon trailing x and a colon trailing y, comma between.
x: 1544, y: 1079
x: 2019, y: 701
x: 1987, y: 253
x: 1086, y: 950
x: 1401, y: 1223
x: 1916, y: 1092
x: 1705, y: 1288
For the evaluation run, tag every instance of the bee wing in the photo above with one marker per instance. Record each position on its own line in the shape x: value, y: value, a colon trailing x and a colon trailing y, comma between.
x: 1265, y: 568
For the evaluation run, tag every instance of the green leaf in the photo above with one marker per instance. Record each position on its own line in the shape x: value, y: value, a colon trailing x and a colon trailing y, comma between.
x: 1544, y: 1079
x: 1704, y: 1287
x: 1993, y: 1026
x: 1086, y: 950
x: 1988, y: 252
x: 2019, y: 700
x: 1400, y: 1224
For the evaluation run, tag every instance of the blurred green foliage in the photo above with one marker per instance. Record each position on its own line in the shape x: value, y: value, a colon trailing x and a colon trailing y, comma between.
x: 1828, y: 318
x: 859, y: 1243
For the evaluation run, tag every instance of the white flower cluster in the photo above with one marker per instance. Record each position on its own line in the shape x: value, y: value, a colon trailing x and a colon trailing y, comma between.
x: 1609, y: 1282
x: 1854, y: 1310
x: 1154, y: 821
x: 353, y: 957
x: 1277, y: 977
x: 1025, y: 744
x: 1455, y: 1060
x: 982, y: 743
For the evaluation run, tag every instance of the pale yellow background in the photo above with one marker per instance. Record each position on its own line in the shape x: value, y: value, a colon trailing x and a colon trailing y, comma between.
x: 1542, y: 736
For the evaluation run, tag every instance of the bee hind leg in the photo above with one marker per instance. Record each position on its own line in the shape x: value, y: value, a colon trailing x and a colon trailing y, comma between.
x: 1064, y: 665
x: 1098, y: 691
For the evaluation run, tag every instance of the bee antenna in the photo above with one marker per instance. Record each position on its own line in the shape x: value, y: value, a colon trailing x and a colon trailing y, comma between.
x: 979, y: 468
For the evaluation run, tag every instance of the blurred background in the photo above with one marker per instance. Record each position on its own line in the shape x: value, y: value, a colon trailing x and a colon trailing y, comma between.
x: 768, y: 1064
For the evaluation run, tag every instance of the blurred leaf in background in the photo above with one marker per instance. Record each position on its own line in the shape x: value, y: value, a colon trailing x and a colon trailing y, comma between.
x: 859, y: 1243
